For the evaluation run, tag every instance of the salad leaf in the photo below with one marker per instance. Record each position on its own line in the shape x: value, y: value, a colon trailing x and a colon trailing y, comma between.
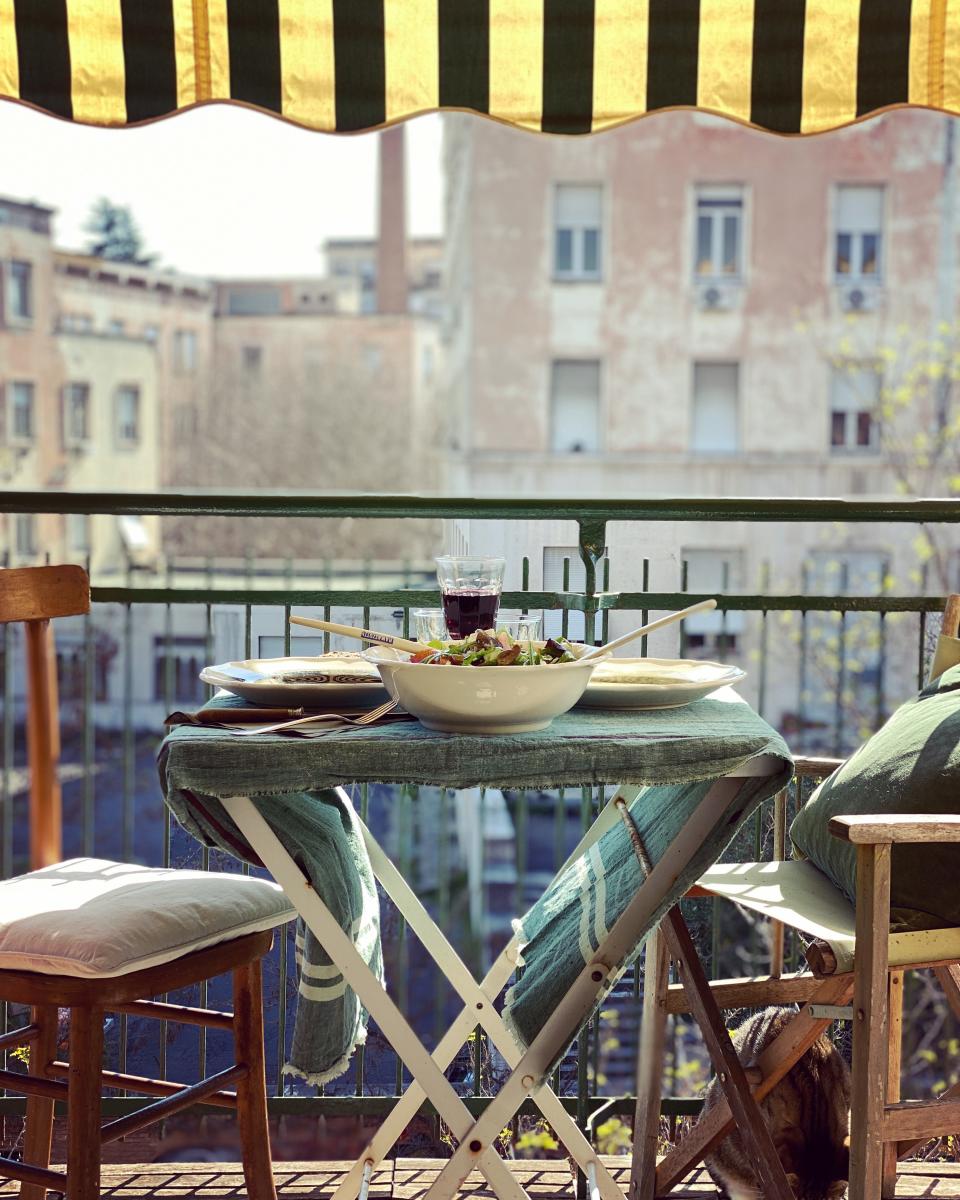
x: 493, y: 648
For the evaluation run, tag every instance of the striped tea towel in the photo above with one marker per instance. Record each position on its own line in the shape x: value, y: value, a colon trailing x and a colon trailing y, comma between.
x: 321, y: 833
x: 562, y: 931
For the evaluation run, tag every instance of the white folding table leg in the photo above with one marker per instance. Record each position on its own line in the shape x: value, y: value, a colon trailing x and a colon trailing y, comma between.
x: 575, y: 1006
x: 481, y: 1011
x: 492, y: 985
x: 372, y: 995
x: 407, y: 1107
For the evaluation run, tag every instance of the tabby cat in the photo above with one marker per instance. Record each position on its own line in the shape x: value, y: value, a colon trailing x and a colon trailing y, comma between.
x: 808, y: 1114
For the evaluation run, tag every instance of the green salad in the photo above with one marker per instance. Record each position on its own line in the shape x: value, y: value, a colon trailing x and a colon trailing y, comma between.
x: 493, y: 648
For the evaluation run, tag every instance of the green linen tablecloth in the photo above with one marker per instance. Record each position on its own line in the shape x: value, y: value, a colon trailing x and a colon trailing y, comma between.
x: 678, y: 752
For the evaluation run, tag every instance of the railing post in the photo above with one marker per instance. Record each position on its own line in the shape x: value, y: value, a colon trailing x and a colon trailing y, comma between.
x: 592, y: 536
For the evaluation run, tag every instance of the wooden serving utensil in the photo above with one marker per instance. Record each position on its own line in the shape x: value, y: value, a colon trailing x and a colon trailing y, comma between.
x: 363, y: 635
x: 670, y: 619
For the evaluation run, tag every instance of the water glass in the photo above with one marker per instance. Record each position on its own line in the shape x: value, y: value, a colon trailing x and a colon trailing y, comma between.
x: 471, y: 590
x: 523, y: 628
x: 430, y: 625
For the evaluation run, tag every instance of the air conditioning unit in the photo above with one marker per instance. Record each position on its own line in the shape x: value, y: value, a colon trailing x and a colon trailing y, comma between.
x: 858, y: 298
x: 715, y: 297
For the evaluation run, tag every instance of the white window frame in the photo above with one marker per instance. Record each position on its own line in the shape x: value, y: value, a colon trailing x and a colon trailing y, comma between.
x: 13, y: 437
x: 185, y: 364
x: 577, y: 272
x: 872, y: 410
x: 12, y: 316
x: 70, y: 439
x: 720, y: 201
x: 855, y: 275
x: 25, y: 522
x: 78, y: 522
x: 122, y: 441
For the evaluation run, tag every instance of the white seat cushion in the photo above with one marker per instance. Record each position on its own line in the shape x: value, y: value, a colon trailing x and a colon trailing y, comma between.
x: 95, y: 919
x: 800, y: 895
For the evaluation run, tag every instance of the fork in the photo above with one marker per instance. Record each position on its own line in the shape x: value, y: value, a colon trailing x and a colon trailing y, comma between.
x: 368, y: 718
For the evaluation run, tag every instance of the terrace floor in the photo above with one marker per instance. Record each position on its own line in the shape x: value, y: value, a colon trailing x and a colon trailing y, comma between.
x: 409, y: 1178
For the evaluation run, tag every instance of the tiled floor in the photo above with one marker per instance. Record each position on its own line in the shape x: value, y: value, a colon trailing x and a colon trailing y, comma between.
x: 409, y: 1178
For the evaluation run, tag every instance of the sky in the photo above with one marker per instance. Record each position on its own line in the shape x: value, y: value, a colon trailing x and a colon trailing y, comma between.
x: 217, y: 191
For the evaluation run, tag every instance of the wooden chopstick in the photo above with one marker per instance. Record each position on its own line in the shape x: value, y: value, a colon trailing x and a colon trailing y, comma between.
x: 363, y: 635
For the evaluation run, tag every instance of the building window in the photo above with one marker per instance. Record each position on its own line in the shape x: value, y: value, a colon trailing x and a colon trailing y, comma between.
x: 185, y: 350
x: 177, y: 663
x: 252, y: 359
x: 577, y: 237
x: 78, y: 533
x: 859, y: 226
x: 72, y: 668
x: 575, y: 407
x: 115, y: 327
x: 22, y: 420
x: 253, y: 301
x: 714, y: 572
x: 854, y: 402
x: 25, y: 535
x: 128, y: 416
x: 151, y: 334
x: 715, y: 423
x: 76, y: 322
x: 719, y: 233
x: 76, y: 414
x: 20, y: 290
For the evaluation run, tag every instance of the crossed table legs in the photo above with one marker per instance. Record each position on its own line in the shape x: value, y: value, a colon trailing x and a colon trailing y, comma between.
x: 476, y: 1136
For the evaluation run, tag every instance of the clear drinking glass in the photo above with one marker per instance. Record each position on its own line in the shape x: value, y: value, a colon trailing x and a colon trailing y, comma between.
x: 471, y: 590
x: 523, y: 628
x: 430, y: 625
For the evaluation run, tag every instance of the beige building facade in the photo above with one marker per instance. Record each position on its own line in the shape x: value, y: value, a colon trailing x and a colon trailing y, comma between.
x: 687, y: 307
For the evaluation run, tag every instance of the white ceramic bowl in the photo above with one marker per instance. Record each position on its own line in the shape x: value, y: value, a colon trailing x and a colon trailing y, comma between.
x: 481, y: 699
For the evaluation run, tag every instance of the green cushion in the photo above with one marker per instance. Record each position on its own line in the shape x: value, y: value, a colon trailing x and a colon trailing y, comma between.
x: 911, y: 765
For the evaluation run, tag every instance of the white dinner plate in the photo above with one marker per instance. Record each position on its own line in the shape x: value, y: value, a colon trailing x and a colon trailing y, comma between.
x: 329, y: 681
x: 656, y: 682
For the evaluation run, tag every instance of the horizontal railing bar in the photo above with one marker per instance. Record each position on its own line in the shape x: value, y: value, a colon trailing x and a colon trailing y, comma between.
x: 312, y: 504
x: 370, y: 1106
x: 795, y: 602
x: 20, y: 1037
x: 574, y: 601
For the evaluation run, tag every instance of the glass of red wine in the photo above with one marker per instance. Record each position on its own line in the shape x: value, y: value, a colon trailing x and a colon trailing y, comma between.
x: 471, y: 593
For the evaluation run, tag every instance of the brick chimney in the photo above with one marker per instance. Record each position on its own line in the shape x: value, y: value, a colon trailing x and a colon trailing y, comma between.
x: 392, y: 232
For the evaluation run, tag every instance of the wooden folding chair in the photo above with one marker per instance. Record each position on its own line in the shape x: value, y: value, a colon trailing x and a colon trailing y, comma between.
x: 93, y: 937
x: 851, y: 955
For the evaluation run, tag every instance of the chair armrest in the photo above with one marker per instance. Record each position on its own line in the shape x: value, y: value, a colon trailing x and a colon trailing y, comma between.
x: 805, y: 766
x: 897, y: 827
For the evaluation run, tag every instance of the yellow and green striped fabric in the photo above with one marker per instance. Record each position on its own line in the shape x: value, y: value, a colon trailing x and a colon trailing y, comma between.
x: 557, y: 66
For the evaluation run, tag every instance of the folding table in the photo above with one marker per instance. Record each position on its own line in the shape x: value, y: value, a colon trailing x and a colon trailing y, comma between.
x: 719, y: 739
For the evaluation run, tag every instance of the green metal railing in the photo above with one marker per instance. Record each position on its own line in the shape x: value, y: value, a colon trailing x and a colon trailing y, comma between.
x: 171, y: 594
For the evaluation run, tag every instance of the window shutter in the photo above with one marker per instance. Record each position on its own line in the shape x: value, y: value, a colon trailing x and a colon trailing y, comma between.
x: 715, y: 418
x: 578, y: 205
x: 859, y: 208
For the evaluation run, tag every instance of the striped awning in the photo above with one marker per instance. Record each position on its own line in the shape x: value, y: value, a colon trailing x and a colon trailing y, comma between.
x: 557, y: 66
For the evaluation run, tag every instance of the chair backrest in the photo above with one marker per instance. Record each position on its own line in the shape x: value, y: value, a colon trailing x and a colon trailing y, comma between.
x: 34, y: 595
